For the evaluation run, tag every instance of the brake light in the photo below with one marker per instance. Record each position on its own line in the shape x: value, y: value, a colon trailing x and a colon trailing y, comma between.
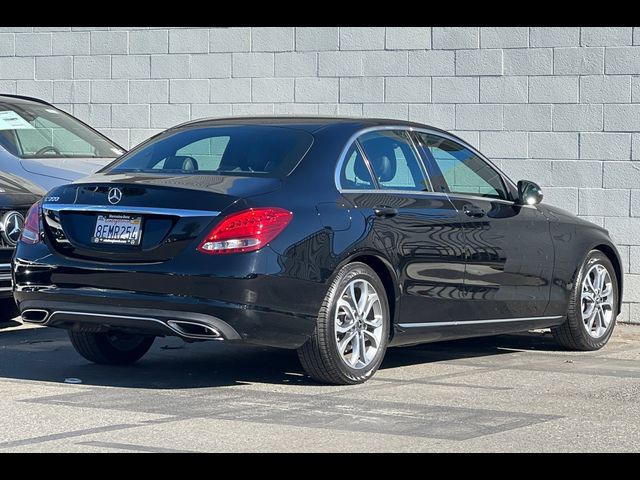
x: 246, y: 231
x: 31, y: 229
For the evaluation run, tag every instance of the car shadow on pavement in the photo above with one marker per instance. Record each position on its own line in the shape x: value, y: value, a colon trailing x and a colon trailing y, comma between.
x: 45, y: 354
x: 470, y: 348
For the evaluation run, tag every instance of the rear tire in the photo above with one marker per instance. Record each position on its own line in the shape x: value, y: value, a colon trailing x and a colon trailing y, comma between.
x: 110, y: 348
x: 329, y: 356
x: 578, y: 332
x: 8, y: 310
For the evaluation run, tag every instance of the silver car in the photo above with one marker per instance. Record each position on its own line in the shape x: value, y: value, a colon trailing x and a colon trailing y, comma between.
x: 48, y: 147
x: 41, y: 147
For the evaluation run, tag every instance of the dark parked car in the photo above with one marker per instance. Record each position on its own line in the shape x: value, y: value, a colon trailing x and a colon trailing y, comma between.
x: 47, y: 146
x: 15, y: 200
x: 336, y: 237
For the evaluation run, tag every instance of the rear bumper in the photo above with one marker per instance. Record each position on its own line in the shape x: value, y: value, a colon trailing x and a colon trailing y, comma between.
x: 256, y: 309
x: 5, y: 280
x: 153, y: 315
x: 97, y: 318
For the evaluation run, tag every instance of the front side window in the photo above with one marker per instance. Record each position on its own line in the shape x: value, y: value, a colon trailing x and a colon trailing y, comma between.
x: 29, y: 130
x: 225, y: 150
x: 462, y: 170
x: 393, y: 160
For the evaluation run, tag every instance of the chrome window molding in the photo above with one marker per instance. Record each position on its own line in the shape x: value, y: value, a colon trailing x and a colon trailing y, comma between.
x: 508, y: 182
x: 430, y: 194
x: 365, y: 159
x: 423, y: 167
x: 476, y: 322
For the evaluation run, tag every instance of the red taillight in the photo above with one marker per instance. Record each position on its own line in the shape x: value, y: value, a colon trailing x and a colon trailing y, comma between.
x: 31, y: 229
x: 246, y: 231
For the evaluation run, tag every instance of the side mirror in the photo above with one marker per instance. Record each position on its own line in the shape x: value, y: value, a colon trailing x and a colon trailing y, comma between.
x: 529, y: 193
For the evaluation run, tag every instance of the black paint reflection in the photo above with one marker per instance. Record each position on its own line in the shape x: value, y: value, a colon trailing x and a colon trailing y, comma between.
x: 425, y: 243
x: 509, y: 259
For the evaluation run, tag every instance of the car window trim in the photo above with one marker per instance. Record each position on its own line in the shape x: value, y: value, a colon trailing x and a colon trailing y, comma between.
x: 422, y: 166
x: 367, y: 163
x: 511, y: 187
x: 356, y: 140
x: 429, y: 164
x: 440, y: 194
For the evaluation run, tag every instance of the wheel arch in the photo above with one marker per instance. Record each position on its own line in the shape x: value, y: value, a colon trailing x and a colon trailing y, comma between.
x: 385, y: 271
x: 614, y: 258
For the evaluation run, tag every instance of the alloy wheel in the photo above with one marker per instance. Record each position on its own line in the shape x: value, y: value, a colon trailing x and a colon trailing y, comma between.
x: 358, y: 324
x: 597, y: 301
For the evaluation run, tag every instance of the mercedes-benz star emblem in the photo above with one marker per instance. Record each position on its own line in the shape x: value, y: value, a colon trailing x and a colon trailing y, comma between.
x: 11, y: 226
x: 114, y: 195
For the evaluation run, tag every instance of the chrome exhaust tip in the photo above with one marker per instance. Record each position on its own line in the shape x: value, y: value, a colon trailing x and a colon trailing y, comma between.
x: 35, y: 315
x: 194, y: 329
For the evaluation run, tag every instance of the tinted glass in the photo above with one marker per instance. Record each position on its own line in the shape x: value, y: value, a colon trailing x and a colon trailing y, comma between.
x: 226, y: 150
x: 355, y: 175
x: 393, y: 160
x: 463, y: 170
x: 41, y: 131
x: 208, y: 152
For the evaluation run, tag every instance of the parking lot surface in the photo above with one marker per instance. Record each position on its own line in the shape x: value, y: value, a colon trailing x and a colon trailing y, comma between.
x: 506, y: 393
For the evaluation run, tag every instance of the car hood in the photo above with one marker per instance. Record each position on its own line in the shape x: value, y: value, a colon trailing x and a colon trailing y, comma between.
x: 16, y: 192
x: 69, y: 169
x: 558, y: 214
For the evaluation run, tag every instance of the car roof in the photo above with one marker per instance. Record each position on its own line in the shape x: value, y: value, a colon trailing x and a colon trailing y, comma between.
x: 310, y: 123
x: 22, y: 99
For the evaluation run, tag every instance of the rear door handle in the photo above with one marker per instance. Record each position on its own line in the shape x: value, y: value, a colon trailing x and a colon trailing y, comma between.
x: 473, y: 211
x: 385, y: 212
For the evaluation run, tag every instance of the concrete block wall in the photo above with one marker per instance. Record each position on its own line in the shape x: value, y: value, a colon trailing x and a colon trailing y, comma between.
x: 560, y: 106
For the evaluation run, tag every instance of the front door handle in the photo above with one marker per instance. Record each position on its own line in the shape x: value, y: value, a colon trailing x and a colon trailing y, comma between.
x: 473, y: 211
x: 385, y: 212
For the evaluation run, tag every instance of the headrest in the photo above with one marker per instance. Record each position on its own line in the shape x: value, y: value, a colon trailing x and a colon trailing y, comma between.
x: 384, y: 166
x: 180, y: 162
x: 257, y: 159
x: 380, y: 153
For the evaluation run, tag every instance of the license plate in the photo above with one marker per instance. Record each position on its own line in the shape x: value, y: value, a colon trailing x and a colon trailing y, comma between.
x: 118, y: 229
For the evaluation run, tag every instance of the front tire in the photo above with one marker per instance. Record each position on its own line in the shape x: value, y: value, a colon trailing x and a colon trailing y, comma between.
x: 352, y: 329
x: 110, y: 348
x: 593, y: 306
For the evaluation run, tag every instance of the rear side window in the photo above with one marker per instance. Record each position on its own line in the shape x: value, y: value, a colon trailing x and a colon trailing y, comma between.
x: 227, y: 150
x: 394, y: 160
x: 355, y: 174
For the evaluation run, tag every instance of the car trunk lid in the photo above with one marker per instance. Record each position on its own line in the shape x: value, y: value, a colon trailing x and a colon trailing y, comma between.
x: 169, y: 213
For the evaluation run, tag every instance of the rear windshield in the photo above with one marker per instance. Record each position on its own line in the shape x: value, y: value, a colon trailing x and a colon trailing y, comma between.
x: 232, y: 150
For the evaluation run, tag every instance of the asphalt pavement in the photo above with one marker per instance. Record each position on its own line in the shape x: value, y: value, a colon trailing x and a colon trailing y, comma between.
x: 506, y: 393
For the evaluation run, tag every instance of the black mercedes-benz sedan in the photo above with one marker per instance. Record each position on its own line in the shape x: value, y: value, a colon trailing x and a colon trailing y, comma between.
x: 335, y: 237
